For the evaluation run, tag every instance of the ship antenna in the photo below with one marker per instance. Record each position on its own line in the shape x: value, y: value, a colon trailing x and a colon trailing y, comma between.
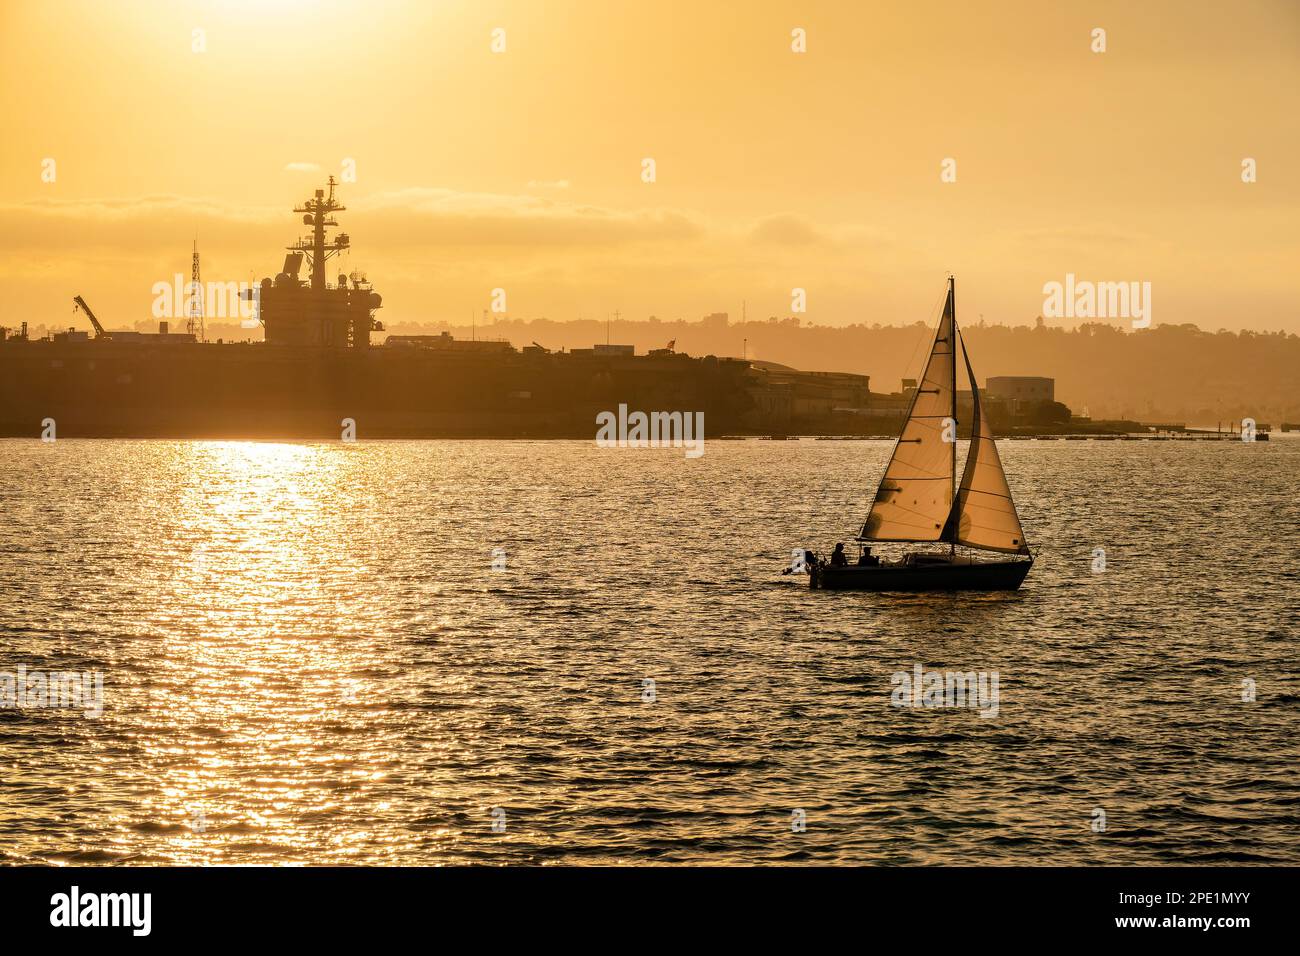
x: 194, y: 319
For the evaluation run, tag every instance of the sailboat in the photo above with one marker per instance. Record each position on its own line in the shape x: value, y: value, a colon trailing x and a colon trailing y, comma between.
x: 920, y: 501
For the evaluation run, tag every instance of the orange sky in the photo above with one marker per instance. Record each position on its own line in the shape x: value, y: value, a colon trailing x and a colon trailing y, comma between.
x: 776, y: 170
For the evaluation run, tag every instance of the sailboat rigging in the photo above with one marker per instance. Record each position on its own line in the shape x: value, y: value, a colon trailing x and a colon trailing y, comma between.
x: 920, y: 500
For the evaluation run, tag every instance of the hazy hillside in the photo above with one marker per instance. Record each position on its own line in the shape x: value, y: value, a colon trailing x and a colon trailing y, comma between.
x: 1165, y: 373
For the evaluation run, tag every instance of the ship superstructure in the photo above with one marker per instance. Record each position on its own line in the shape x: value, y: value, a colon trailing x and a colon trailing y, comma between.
x: 311, y: 312
x: 317, y: 369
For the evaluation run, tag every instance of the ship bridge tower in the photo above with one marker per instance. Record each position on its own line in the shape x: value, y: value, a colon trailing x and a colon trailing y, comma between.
x: 318, y: 213
x: 314, y: 313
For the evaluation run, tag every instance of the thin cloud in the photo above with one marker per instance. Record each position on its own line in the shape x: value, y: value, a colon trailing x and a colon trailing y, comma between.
x: 786, y: 230
x: 445, y: 216
x: 136, y: 224
x: 409, y: 217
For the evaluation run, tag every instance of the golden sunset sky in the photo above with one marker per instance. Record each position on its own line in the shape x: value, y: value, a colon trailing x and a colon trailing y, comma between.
x: 775, y: 170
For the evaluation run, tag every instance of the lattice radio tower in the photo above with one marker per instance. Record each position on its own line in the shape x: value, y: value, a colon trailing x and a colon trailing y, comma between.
x: 194, y: 323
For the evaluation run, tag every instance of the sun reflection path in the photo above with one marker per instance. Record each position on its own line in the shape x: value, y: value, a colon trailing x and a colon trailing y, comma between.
x: 266, y: 577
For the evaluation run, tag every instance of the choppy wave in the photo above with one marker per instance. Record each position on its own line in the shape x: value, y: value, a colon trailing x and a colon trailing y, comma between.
x: 309, y: 657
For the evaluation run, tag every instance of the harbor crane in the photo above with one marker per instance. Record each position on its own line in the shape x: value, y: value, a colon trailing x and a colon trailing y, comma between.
x: 79, y: 303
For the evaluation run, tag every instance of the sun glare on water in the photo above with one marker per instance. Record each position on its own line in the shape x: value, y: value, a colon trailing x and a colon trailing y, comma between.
x: 264, y: 585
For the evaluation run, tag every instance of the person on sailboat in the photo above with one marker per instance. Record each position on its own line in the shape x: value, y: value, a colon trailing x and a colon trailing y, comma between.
x: 867, y: 558
x: 838, y: 557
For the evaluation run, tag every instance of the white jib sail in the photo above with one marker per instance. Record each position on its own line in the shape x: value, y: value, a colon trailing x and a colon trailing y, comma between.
x: 914, y: 499
x: 985, y: 515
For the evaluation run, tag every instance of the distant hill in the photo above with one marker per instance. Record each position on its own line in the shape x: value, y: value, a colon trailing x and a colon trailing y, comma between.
x: 1171, y: 373
x: 1165, y: 373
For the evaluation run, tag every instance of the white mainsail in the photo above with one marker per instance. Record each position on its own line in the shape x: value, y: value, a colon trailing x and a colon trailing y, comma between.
x: 915, y: 496
x: 984, y: 515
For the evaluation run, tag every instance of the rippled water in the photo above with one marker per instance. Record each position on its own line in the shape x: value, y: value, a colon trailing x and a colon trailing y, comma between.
x: 309, y: 658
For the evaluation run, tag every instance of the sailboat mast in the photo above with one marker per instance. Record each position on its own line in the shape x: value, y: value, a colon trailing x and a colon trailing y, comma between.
x: 952, y: 346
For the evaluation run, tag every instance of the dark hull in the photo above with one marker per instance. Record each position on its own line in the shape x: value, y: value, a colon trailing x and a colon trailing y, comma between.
x: 940, y: 576
x: 107, y: 389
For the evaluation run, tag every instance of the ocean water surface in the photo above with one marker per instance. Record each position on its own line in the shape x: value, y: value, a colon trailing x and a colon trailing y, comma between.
x: 550, y: 653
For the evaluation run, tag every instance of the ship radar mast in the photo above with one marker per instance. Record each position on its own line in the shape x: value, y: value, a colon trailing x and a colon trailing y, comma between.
x: 318, y: 213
